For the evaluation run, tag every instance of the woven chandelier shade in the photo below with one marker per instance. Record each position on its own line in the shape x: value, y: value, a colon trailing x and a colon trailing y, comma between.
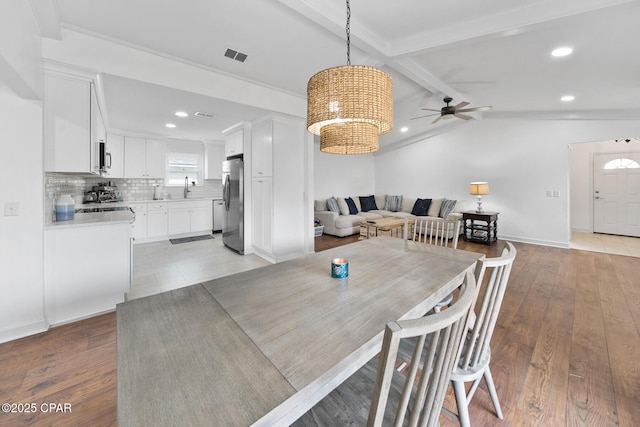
x: 349, y: 106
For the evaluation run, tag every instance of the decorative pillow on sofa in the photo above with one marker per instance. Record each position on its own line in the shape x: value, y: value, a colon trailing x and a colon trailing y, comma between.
x: 352, y: 206
x: 421, y: 207
x: 332, y: 205
x: 447, y: 207
x: 344, y: 208
x: 434, y: 207
x: 393, y: 203
x: 320, y: 205
x: 368, y: 203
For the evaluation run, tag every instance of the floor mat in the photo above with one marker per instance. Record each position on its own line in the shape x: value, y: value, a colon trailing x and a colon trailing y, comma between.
x: 191, y: 239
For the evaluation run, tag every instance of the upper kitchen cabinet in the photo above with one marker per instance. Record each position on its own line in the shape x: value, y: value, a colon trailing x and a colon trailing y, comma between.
x: 114, y: 158
x: 235, y: 138
x: 144, y: 158
x: 214, y: 154
x: 73, y: 126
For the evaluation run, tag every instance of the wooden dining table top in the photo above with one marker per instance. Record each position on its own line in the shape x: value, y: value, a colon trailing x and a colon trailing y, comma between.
x: 263, y: 346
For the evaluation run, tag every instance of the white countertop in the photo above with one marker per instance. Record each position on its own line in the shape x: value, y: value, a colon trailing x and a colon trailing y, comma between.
x: 93, y: 218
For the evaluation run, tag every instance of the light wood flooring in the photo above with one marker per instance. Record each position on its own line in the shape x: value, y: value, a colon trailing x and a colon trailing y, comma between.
x: 566, y: 350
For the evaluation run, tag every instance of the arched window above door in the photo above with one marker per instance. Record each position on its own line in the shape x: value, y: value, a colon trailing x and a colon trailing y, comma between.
x: 622, y: 163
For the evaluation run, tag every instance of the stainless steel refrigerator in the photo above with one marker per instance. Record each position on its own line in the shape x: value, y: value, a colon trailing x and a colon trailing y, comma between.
x: 233, y: 196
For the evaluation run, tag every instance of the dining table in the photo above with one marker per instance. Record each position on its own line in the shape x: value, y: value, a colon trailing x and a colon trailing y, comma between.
x: 263, y: 346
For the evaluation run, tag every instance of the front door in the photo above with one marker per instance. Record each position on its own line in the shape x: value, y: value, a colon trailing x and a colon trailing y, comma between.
x: 616, y: 185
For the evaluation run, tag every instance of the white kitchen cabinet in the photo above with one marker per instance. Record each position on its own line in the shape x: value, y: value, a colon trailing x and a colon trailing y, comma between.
x: 115, y: 156
x: 140, y: 223
x: 214, y: 154
x: 262, y: 200
x: 278, y: 215
x: 71, y: 119
x: 156, y: 219
x: 87, y: 270
x: 235, y: 139
x: 218, y: 212
x: 262, y: 149
x: 194, y: 216
x: 144, y: 158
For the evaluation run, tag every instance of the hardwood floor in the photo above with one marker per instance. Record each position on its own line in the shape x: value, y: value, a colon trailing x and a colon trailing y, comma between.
x: 566, y: 350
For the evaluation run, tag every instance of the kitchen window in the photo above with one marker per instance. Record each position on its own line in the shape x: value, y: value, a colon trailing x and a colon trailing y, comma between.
x: 184, y: 158
x: 181, y: 165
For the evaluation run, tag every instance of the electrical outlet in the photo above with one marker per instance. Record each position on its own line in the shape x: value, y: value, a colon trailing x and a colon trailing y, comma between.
x: 11, y: 208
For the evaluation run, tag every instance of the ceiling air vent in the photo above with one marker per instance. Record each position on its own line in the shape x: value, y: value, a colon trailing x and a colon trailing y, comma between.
x: 234, y: 54
x: 201, y: 114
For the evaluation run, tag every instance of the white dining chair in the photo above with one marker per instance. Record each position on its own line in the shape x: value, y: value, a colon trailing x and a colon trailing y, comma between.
x: 419, y: 394
x: 439, y: 232
x: 476, y: 353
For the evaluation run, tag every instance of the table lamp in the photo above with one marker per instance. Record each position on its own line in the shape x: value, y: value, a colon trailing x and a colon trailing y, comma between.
x: 479, y: 189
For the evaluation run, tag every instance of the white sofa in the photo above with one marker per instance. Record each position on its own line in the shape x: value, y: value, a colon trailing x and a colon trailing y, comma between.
x: 343, y: 223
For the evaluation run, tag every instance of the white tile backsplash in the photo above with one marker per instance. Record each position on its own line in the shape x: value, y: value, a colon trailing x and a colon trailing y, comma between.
x: 131, y: 189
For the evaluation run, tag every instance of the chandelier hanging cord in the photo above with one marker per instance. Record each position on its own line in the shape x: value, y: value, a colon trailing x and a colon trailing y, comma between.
x: 348, y: 33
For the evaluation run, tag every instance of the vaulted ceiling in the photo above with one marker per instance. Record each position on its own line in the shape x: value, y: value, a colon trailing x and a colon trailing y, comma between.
x: 494, y: 52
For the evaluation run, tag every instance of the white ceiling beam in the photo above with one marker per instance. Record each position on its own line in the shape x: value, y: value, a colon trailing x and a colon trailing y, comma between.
x: 46, y: 13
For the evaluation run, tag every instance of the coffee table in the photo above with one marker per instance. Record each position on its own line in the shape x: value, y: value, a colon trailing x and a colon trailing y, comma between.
x: 389, y: 226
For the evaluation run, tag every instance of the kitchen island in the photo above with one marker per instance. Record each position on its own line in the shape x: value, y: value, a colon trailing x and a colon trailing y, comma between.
x: 87, y: 265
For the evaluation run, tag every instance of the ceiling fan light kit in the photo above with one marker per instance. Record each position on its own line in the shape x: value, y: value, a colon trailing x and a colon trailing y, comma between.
x: 349, y: 106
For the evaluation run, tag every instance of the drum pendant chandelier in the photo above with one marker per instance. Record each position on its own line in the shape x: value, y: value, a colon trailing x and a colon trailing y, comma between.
x: 349, y: 106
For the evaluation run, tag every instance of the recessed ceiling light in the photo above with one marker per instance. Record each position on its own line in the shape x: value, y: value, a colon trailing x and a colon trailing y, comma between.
x: 567, y: 98
x: 404, y: 129
x: 562, y: 51
x: 181, y: 114
x: 170, y: 125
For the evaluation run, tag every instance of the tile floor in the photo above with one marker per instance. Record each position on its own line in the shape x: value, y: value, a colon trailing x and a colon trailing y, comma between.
x: 163, y: 266
x: 608, y: 243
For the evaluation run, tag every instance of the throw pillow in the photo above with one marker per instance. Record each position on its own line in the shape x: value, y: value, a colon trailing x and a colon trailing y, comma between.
x: 421, y: 207
x: 332, y: 204
x: 352, y: 206
x: 393, y: 203
x: 447, y: 207
x: 320, y: 205
x: 368, y: 203
x: 344, y: 208
x: 434, y: 207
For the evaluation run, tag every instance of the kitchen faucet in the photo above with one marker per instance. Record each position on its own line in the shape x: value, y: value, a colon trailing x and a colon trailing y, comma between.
x: 186, y: 186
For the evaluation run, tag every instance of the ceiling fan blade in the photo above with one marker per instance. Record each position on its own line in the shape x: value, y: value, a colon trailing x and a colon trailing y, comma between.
x: 460, y: 105
x: 430, y: 109
x: 436, y: 120
x: 462, y: 116
x: 422, y: 117
x: 466, y: 110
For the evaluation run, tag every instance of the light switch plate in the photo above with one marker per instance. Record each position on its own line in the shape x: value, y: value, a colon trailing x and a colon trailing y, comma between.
x: 11, y: 208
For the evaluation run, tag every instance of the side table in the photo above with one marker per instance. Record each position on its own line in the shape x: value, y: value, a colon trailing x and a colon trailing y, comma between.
x: 481, y: 227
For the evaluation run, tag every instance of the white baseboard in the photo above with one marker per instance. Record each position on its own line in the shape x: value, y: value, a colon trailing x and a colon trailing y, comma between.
x: 23, y: 331
x: 563, y: 245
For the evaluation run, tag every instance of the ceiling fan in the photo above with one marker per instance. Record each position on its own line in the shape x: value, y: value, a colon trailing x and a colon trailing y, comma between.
x: 452, y: 110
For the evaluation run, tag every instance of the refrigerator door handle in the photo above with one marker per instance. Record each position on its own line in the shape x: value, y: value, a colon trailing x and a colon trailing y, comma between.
x: 226, y: 193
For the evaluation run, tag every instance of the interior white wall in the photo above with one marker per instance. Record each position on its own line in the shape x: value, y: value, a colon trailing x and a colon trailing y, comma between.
x: 19, y: 45
x: 521, y: 160
x: 342, y: 176
x: 21, y: 181
x: 581, y: 177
